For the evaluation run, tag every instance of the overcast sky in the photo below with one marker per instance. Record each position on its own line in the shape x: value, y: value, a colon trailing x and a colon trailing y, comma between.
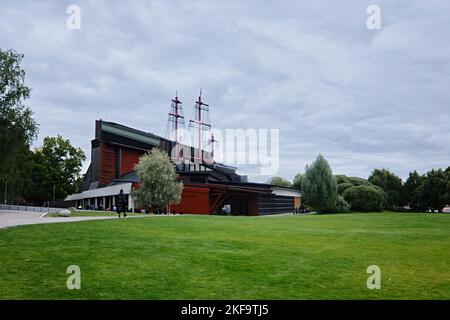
x: 363, y: 98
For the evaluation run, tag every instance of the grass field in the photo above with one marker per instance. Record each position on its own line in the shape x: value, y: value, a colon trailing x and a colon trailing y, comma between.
x: 211, y: 257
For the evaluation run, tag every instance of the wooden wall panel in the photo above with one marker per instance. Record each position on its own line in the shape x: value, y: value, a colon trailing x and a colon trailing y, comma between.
x: 193, y: 200
x: 297, y: 202
x: 129, y: 159
x: 107, y: 164
x: 252, y: 205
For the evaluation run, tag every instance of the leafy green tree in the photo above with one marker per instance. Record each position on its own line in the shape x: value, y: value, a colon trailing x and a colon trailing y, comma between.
x: 342, y: 178
x: 320, y: 186
x: 17, y: 126
x: 357, y: 181
x: 436, y: 190
x: 391, y: 184
x: 342, y: 205
x: 279, y: 181
x: 365, y: 198
x: 297, y: 183
x: 414, y: 191
x: 18, y: 178
x: 343, y: 186
x: 158, y: 181
x: 357, y: 195
x: 447, y: 173
x: 56, y: 169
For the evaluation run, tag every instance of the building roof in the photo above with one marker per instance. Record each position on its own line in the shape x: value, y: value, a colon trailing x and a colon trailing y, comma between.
x: 129, y: 132
x: 101, y: 192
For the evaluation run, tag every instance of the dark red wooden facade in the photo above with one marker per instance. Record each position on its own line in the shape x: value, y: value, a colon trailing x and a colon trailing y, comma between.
x: 116, y: 161
x: 129, y: 158
x: 107, y: 164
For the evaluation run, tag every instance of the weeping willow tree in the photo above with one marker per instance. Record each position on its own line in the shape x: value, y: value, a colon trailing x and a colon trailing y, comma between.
x: 159, y: 186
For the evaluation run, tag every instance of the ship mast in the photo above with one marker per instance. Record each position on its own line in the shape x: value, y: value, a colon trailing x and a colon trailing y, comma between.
x: 176, y: 120
x: 200, y: 122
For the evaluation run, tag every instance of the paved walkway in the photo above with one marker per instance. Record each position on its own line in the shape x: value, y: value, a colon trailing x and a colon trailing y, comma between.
x: 10, y: 218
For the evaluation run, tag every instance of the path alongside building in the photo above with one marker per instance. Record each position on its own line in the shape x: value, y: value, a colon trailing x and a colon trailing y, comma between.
x: 11, y: 218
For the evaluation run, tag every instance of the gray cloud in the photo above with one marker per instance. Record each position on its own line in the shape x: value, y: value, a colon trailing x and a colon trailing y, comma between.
x: 362, y: 98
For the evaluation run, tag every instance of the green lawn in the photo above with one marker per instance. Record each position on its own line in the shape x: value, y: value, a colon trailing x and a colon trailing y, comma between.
x: 212, y: 257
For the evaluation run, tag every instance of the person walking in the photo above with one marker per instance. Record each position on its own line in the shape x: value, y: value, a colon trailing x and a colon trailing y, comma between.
x: 121, y: 203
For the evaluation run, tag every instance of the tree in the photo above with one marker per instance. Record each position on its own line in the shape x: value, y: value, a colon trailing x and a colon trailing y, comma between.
x: 362, y: 199
x: 320, y: 186
x: 357, y: 181
x: 391, y: 184
x: 18, y: 178
x: 344, y: 186
x: 17, y: 126
x: 414, y: 191
x: 436, y: 190
x: 56, y: 169
x: 342, y: 178
x: 447, y: 173
x: 297, y: 183
x: 279, y: 181
x: 365, y: 198
x: 158, y: 181
x: 341, y: 204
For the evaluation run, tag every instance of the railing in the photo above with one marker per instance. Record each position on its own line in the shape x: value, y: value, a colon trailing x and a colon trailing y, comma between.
x: 28, y: 208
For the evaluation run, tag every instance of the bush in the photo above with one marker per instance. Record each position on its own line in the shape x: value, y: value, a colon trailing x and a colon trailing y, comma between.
x: 365, y: 198
x: 342, y: 205
x: 356, y: 181
x: 343, y: 186
x: 342, y: 178
x: 383, y: 194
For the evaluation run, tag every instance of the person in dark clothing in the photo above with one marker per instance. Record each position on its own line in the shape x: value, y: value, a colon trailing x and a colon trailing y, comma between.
x: 121, y: 203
